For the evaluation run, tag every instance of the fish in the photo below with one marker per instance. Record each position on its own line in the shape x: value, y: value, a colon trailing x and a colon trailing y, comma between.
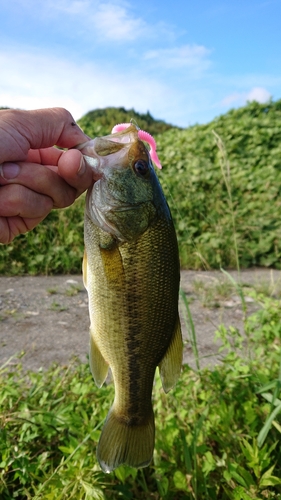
x: 131, y: 272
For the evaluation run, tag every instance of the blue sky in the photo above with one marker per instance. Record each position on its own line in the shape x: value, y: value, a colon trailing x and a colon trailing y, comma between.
x: 184, y: 61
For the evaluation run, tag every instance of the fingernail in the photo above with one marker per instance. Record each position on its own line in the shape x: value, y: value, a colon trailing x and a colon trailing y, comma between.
x: 82, y: 167
x: 9, y: 170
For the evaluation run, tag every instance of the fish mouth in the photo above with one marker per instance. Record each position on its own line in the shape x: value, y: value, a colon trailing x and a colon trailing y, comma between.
x: 102, y: 153
x: 94, y: 164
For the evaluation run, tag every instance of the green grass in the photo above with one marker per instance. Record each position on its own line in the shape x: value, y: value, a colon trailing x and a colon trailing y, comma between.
x: 217, y: 433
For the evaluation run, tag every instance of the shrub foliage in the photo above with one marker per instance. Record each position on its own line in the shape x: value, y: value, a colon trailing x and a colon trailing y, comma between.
x: 199, y: 176
x: 218, y: 186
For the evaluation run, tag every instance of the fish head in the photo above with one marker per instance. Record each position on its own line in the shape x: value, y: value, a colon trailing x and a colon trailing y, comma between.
x: 126, y: 193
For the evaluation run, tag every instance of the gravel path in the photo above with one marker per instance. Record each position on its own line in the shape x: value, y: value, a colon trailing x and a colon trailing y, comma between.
x: 47, y: 316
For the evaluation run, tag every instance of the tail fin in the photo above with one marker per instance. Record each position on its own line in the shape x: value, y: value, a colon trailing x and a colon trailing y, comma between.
x: 121, y: 443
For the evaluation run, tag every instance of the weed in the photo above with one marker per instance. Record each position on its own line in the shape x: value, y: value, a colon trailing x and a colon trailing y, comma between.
x: 212, y: 293
x: 217, y: 432
x: 270, y: 289
x: 55, y: 306
x: 73, y: 290
x: 190, y: 328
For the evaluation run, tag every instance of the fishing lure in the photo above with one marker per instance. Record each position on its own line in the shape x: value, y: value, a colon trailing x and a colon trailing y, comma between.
x: 143, y: 136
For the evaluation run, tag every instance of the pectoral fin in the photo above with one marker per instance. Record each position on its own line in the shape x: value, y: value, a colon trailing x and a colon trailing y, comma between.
x: 112, y: 264
x: 98, y: 365
x: 170, y: 366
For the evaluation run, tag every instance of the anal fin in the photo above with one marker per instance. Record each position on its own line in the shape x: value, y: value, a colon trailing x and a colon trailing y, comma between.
x: 170, y: 366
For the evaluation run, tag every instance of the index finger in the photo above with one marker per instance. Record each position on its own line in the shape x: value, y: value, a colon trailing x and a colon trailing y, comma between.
x: 45, y: 156
x: 24, y: 130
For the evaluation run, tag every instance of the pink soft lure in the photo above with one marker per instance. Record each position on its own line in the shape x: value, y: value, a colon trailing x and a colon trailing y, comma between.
x: 143, y: 136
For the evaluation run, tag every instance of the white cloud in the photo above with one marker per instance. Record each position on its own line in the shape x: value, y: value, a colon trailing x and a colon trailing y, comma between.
x: 234, y: 98
x: 116, y: 23
x: 259, y: 94
x: 193, y: 57
x: 31, y: 80
x: 111, y: 20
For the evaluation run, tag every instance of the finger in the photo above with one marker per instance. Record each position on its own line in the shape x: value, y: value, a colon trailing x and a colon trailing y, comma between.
x: 45, y: 156
x: 10, y: 227
x: 24, y: 130
x: 41, y: 180
x: 74, y: 170
x: 17, y: 200
x: 71, y: 166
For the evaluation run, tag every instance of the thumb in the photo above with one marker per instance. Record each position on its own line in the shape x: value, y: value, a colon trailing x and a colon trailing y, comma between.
x: 75, y: 171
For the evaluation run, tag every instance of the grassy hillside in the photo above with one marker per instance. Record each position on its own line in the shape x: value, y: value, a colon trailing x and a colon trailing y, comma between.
x: 222, y: 195
x: 101, y: 121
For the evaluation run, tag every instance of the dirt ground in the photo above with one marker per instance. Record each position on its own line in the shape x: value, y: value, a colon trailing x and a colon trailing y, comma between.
x: 47, y: 316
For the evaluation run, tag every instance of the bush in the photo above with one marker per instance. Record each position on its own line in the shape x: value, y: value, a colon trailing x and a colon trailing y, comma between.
x: 198, y: 182
x: 225, y: 201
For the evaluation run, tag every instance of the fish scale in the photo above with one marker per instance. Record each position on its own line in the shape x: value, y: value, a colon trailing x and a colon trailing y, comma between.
x: 133, y: 283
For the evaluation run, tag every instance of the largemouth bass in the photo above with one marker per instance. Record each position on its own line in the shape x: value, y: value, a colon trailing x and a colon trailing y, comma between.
x: 131, y: 273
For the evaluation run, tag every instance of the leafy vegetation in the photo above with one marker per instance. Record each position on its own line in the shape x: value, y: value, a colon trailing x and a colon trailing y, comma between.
x: 222, y: 181
x: 202, y: 170
x: 217, y: 432
x: 54, y: 247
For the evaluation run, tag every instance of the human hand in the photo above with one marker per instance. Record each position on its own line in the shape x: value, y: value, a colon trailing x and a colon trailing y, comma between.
x: 35, y: 176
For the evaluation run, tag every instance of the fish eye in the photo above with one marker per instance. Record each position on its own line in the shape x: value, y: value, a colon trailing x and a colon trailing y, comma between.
x: 141, y: 167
